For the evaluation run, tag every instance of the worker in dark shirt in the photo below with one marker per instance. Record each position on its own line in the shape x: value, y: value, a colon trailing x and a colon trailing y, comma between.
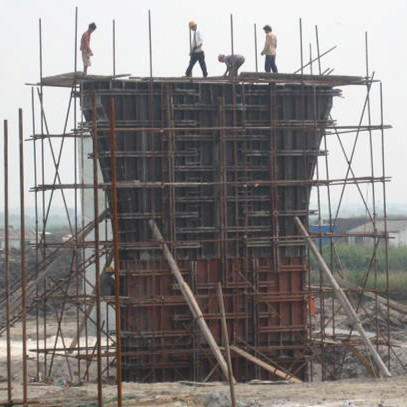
x: 107, y: 283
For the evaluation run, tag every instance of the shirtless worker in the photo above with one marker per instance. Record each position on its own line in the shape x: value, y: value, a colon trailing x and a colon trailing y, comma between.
x: 85, y: 47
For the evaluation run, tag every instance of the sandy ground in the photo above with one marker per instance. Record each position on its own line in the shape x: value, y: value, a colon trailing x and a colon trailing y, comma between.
x: 363, y: 392
x: 391, y: 392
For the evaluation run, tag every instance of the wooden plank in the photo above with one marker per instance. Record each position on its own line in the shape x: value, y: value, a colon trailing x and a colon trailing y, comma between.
x: 265, y: 365
x: 369, y: 367
x: 226, y: 342
x: 392, y: 304
x: 190, y: 299
x: 341, y: 296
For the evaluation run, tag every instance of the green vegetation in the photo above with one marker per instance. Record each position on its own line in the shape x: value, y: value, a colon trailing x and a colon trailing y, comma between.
x: 355, y: 262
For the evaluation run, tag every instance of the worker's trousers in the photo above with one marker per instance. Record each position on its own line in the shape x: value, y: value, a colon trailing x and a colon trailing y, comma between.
x: 271, y: 64
x: 233, y: 69
x: 197, y: 56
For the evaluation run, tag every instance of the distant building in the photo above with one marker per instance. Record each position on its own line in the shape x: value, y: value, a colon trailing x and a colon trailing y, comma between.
x: 396, y: 229
x: 343, y: 225
x: 340, y: 227
x: 15, y: 238
x: 322, y: 229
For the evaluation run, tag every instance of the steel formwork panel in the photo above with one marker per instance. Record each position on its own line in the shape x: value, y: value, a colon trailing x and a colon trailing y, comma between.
x: 229, y: 225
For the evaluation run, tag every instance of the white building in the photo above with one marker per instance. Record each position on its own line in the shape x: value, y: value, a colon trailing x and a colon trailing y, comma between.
x: 15, y: 238
x: 396, y: 229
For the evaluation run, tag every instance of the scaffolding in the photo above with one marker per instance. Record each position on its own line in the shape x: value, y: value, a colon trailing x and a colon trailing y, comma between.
x: 221, y: 168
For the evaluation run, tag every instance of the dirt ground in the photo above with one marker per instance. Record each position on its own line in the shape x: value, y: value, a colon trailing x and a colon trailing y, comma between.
x: 357, y: 392
x: 391, y: 392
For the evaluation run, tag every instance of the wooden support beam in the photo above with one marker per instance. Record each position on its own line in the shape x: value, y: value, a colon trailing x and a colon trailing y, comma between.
x: 392, y: 304
x: 265, y: 365
x: 190, y: 299
x: 343, y: 299
x: 226, y: 344
x: 369, y: 367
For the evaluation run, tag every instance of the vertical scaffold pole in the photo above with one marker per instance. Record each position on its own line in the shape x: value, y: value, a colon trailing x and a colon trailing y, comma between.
x: 7, y: 262
x: 301, y: 49
x: 232, y: 45
x: 115, y: 228
x: 255, y: 48
x: 23, y: 265
x: 318, y: 53
x: 97, y: 248
x: 43, y: 195
x: 150, y: 46
x: 114, y: 47
x: 76, y: 41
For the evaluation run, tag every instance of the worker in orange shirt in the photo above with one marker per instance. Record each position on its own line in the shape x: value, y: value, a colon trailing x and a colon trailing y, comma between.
x: 269, y: 50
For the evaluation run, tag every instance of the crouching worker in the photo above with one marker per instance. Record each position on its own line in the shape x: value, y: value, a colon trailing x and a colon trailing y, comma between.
x: 233, y: 63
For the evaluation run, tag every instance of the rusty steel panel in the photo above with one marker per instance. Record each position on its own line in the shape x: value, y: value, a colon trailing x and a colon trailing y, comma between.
x: 210, y: 163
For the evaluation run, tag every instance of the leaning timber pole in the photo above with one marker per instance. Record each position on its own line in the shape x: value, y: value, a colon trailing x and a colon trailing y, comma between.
x: 226, y: 343
x: 190, y: 299
x: 340, y: 294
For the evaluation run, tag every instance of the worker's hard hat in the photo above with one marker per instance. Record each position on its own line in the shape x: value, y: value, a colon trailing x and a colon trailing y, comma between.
x: 221, y: 57
x: 109, y: 270
x: 191, y: 24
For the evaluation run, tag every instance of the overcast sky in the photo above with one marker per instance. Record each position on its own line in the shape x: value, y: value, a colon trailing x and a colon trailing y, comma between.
x: 341, y: 23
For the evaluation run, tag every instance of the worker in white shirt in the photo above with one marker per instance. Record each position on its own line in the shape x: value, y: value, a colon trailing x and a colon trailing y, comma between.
x: 196, y: 52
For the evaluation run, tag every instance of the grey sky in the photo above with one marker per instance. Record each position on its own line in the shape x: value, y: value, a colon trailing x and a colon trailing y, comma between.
x: 340, y: 23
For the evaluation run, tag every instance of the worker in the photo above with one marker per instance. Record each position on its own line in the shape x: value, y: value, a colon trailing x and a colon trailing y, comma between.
x: 107, y: 283
x: 233, y: 63
x: 269, y: 50
x: 196, y: 52
x: 85, y: 47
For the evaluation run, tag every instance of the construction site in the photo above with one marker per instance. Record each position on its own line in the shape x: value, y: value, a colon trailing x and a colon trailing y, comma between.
x: 191, y: 275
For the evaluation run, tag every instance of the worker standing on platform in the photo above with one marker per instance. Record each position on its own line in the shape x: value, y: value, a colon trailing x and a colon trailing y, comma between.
x: 270, y: 50
x: 233, y: 63
x: 85, y: 47
x: 196, y: 52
